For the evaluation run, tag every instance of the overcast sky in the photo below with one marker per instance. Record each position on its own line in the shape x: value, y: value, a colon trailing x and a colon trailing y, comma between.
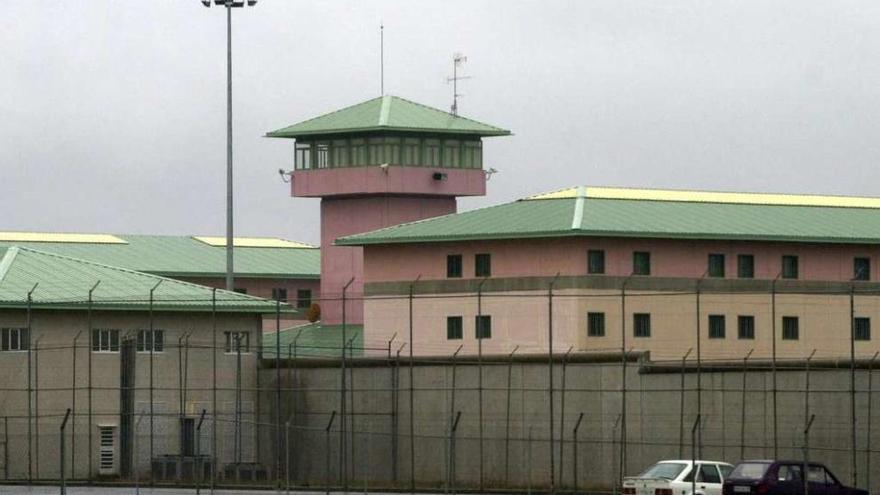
x: 112, y: 114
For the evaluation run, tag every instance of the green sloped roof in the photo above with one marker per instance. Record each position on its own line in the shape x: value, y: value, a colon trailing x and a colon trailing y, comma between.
x: 579, y: 215
x: 314, y: 340
x: 179, y: 256
x: 62, y: 282
x: 388, y: 113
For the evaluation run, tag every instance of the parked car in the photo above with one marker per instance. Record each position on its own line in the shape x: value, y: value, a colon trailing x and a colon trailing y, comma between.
x: 784, y: 478
x: 676, y: 478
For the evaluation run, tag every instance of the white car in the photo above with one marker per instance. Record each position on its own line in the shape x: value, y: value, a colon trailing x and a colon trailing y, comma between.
x: 676, y: 478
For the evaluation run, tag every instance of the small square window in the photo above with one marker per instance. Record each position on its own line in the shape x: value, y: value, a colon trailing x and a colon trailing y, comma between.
x: 745, y: 266
x: 236, y: 339
x: 862, y: 269
x: 789, y: 266
x: 716, y: 265
x: 454, y: 328
x: 453, y: 266
x: 482, y: 265
x: 595, y: 262
x: 641, y: 263
x: 790, y: 328
x: 279, y: 294
x: 595, y: 324
x: 716, y: 327
x: 146, y: 342
x: 14, y: 339
x: 641, y: 325
x: 746, y: 327
x: 483, y: 327
x: 862, y: 328
x: 105, y: 340
x: 303, y: 298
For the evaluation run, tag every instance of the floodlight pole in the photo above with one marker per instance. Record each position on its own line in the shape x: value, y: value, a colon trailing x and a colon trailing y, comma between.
x: 229, y: 4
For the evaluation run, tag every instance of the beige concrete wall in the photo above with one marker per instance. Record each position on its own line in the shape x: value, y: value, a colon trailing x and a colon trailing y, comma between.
x: 520, y: 318
x: 53, y: 379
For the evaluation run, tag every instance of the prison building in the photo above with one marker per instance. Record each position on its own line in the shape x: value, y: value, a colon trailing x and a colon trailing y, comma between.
x: 270, y: 268
x: 376, y: 164
x: 135, y: 358
x: 719, y: 274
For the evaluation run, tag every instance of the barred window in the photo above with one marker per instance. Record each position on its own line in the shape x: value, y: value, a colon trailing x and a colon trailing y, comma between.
x: 595, y: 324
x: 716, y: 265
x: 454, y: 328
x: 14, y: 339
x: 303, y: 298
x: 483, y: 265
x: 105, y: 340
x: 862, y: 328
x: 862, y: 269
x: 146, y: 342
x: 641, y: 263
x: 641, y: 325
x: 595, y: 262
x: 745, y: 266
x: 746, y: 327
x: 483, y: 327
x: 716, y: 327
x: 279, y: 294
x: 453, y: 266
x: 234, y: 339
x: 789, y: 266
x: 790, y: 328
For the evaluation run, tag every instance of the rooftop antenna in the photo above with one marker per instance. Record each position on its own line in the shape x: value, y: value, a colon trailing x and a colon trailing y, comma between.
x: 382, y: 57
x: 457, y: 60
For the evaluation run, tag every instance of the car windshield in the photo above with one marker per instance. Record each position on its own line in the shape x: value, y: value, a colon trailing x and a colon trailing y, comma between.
x: 667, y: 470
x: 749, y: 470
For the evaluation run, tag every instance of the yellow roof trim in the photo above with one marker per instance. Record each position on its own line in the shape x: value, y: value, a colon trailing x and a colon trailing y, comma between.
x: 713, y: 197
x: 259, y: 242
x: 60, y: 237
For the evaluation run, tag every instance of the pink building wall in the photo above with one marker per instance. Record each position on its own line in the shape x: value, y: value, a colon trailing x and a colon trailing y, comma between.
x: 339, y: 264
x: 395, y: 179
x: 568, y: 257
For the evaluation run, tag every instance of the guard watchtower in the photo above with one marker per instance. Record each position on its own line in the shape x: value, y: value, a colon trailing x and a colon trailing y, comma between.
x: 376, y: 164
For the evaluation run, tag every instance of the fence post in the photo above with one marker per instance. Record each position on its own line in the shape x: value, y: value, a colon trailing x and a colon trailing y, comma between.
x: 29, y: 383
x: 807, y: 386
x: 868, y: 444
x: 616, y: 467
x: 575, y: 442
x: 681, y: 407
x: 507, y: 419
x: 694, y: 430
x: 287, y: 454
x: 807, y: 426
x: 73, y: 407
x: 451, y: 471
x: 479, y: 330
x: 327, y: 449
x: 343, y: 449
x: 562, y: 417
x: 199, y: 465
x: 63, y: 475
x: 152, y: 349
x: 742, y: 422
x: 89, y: 347
x: 452, y: 417
x: 412, y: 394
x: 529, y: 460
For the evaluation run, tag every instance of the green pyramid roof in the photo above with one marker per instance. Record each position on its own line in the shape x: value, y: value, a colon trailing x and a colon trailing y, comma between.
x: 61, y: 282
x: 388, y: 113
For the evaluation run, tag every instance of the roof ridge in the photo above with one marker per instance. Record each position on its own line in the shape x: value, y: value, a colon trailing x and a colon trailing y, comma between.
x: 135, y: 272
x: 7, y: 260
x: 448, y: 113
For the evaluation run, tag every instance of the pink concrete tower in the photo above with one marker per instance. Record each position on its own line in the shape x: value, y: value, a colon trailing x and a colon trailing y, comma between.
x: 376, y: 164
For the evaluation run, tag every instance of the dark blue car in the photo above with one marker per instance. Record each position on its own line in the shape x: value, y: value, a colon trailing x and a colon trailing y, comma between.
x: 784, y: 478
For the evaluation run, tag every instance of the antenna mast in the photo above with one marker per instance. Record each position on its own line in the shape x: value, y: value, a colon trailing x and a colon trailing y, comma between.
x: 382, y: 58
x: 457, y: 60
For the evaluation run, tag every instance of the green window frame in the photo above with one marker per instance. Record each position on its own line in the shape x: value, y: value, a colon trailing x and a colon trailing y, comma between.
x: 861, y: 268
x: 717, y: 328
x: 861, y: 328
x: 483, y: 327
x: 641, y: 263
x: 595, y: 262
x: 745, y: 327
x: 483, y: 265
x: 789, y: 266
x: 595, y: 324
x: 790, y: 328
x: 641, y: 325
x: 453, y: 266
x: 454, y: 328
x: 716, y: 265
x: 745, y: 266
